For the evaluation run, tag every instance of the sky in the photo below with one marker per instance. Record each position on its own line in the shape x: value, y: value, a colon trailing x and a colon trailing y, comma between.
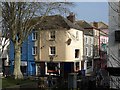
x: 91, y: 11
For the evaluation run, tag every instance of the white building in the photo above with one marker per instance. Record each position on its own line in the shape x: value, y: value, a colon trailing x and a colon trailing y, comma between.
x: 88, y: 52
x: 88, y: 45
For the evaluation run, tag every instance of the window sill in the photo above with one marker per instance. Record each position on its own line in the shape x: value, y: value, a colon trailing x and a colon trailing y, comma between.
x: 52, y: 55
x: 34, y: 40
x: 51, y: 39
x: 34, y: 54
x: 77, y: 58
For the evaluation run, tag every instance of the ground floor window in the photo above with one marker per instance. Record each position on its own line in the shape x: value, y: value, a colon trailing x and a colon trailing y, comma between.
x: 89, y: 64
x: 53, y: 68
x: 38, y: 69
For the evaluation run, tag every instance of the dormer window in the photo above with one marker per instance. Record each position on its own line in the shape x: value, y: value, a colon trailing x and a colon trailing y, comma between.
x: 52, y: 35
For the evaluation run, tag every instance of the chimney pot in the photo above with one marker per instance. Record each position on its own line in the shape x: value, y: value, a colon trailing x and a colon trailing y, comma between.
x: 71, y: 17
x: 95, y: 24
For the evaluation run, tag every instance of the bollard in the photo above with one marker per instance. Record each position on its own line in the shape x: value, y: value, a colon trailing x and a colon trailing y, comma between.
x: 72, y: 80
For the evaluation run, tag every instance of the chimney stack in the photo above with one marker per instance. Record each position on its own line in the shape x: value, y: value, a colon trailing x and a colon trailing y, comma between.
x: 71, y: 17
x: 95, y: 24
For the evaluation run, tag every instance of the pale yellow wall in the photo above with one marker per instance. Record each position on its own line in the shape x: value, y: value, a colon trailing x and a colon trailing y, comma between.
x: 64, y: 52
x: 59, y: 43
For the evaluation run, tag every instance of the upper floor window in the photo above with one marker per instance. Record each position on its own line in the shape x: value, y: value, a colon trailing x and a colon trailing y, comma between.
x: 90, y: 40
x: 89, y: 53
x: 77, y: 35
x: 34, y: 50
x: 86, y: 51
x: 76, y: 53
x: 34, y: 35
x: 52, y: 35
x: 86, y: 39
x: 52, y: 50
x: 89, y: 64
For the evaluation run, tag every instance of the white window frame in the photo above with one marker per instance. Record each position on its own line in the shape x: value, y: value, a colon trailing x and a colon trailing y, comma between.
x: 86, y: 39
x: 34, y: 35
x: 90, y: 39
x: 89, y: 52
x: 46, y: 68
x: 89, y: 64
x: 34, y: 50
x: 86, y: 51
x: 50, y: 51
x: 78, y: 54
x: 52, y: 35
x: 77, y: 35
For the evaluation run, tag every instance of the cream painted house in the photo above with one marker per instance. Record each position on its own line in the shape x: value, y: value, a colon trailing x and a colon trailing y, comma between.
x: 61, y: 45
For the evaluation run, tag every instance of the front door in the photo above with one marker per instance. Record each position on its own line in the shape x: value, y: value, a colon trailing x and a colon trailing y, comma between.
x: 23, y: 70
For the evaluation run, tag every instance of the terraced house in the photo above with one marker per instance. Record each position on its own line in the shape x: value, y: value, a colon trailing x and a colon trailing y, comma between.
x: 88, y: 45
x: 61, y: 46
x: 95, y: 45
x: 28, y: 52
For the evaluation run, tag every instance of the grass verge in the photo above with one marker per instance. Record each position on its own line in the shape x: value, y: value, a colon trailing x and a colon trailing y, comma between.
x: 7, y: 82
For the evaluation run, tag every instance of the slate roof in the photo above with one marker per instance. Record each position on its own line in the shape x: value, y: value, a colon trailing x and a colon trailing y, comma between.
x: 55, y: 22
x: 100, y: 25
x: 88, y: 29
x: 83, y: 24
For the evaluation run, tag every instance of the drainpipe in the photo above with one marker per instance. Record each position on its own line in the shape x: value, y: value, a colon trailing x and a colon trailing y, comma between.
x: 99, y: 49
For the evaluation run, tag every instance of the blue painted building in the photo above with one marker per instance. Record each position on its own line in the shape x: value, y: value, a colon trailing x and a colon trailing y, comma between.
x: 28, y: 53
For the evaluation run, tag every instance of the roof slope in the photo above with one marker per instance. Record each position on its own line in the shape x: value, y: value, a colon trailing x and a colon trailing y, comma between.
x: 88, y: 29
x: 55, y: 22
x: 83, y: 24
x: 100, y: 25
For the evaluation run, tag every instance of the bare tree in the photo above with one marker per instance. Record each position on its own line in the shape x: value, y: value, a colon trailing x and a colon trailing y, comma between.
x: 18, y: 22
